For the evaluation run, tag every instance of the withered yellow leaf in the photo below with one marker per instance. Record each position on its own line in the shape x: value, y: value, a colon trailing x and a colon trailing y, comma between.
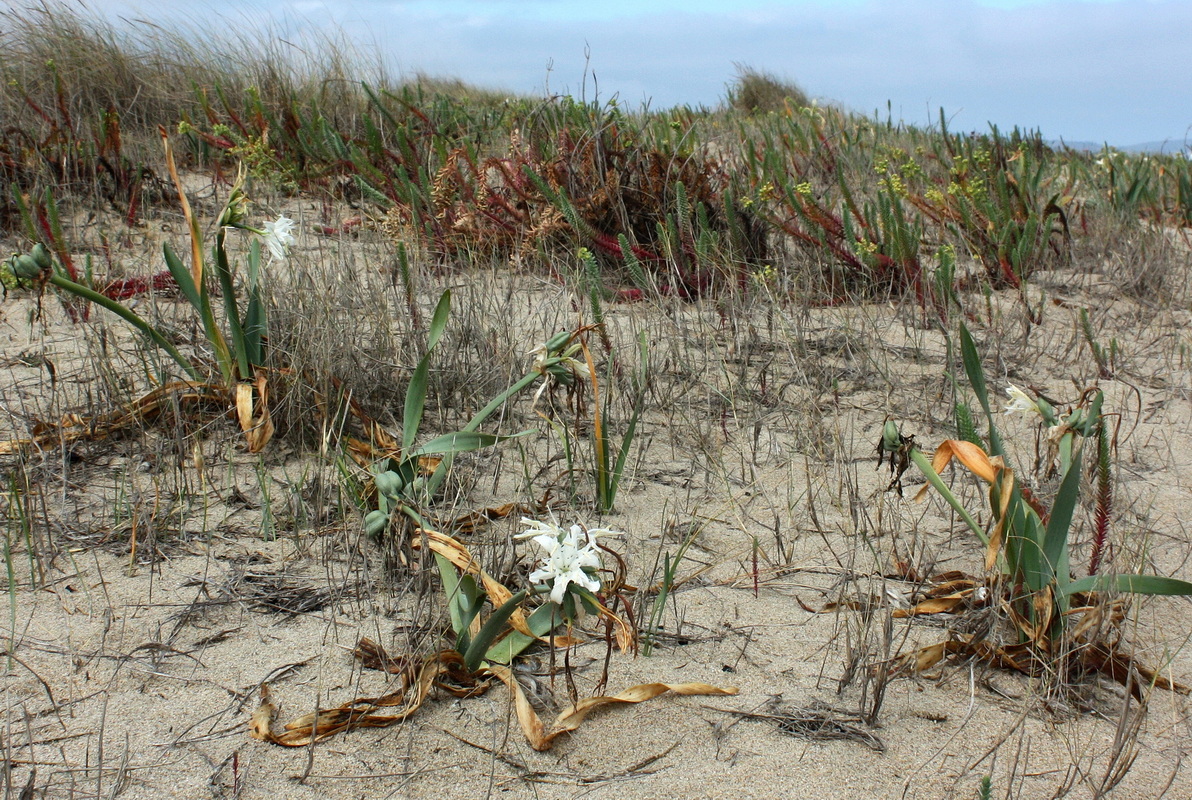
x: 261, y: 724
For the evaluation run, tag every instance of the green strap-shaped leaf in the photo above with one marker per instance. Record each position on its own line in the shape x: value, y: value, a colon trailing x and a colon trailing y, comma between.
x: 254, y: 314
x: 416, y: 391
x: 1131, y: 584
x: 540, y: 623
x: 1027, y: 534
x: 415, y: 403
x: 924, y: 464
x: 490, y: 630
x: 223, y: 269
x: 468, y: 601
x: 129, y: 316
x: 976, y: 377
x: 1055, y: 540
x: 438, y: 321
x: 462, y: 442
x: 182, y: 277
x: 450, y: 579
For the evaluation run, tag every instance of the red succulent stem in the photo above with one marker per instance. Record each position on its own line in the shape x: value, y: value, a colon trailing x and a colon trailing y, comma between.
x: 124, y: 288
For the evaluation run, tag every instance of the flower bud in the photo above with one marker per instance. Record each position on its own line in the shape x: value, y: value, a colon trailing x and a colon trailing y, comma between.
x: 557, y: 342
x: 41, y: 255
x: 24, y: 267
x: 375, y: 523
x: 388, y: 483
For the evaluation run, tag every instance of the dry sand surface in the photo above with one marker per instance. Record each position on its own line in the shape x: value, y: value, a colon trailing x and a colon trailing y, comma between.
x: 134, y: 675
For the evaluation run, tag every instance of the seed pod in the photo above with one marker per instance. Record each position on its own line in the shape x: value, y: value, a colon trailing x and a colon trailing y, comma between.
x: 24, y: 267
x: 557, y: 342
x: 41, y: 255
x: 388, y: 483
x: 375, y: 523
x: 891, y: 439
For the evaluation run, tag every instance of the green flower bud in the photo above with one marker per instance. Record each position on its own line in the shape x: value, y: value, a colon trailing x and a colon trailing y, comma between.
x: 24, y: 267
x: 236, y: 210
x: 558, y: 341
x: 388, y: 483
x: 41, y: 255
x: 375, y: 523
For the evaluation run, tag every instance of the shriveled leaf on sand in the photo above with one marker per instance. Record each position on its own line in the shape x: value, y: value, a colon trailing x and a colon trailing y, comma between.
x: 444, y: 670
x: 818, y: 722
x: 75, y: 428
x: 261, y: 724
x: 933, y: 605
x: 1123, y: 668
x: 541, y: 737
x: 1099, y: 658
x: 475, y: 520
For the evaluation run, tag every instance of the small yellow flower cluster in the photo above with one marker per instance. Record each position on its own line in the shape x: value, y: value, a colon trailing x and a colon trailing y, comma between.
x: 894, y: 184
x: 766, y: 276
x: 967, y: 188
x: 898, y: 167
x: 865, y: 248
x: 804, y: 188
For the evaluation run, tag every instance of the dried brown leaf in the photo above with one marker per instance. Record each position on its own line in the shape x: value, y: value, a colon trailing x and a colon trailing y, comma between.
x: 73, y: 427
x: 252, y: 412
x: 934, y: 605
x: 261, y: 724
x: 541, y: 738
x: 968, y: 454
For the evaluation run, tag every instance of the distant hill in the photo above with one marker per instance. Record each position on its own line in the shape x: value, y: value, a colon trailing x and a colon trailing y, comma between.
x: 1167, y: 146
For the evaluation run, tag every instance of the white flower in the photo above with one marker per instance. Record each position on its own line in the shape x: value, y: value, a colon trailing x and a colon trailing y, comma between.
x: 571, y: 556
x: 1020, y: 402
x: 539, y: 364
x: 278, y: 237
x: 1056, y: 432
x: 550, y: 365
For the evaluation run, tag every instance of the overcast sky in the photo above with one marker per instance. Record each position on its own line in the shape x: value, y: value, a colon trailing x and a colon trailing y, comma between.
x: 1086, y: 70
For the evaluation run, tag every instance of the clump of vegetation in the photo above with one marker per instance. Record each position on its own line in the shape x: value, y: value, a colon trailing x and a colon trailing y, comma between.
x: 756, y: 91
x: 1063, y: 628
x: 447, y: 309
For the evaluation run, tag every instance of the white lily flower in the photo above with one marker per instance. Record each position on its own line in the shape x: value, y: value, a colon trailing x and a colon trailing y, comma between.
x: 278, y: 237
x: 1020, y: 402
x: 539, y: 363
x: 1056, y: 432
x: 572, y: 556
